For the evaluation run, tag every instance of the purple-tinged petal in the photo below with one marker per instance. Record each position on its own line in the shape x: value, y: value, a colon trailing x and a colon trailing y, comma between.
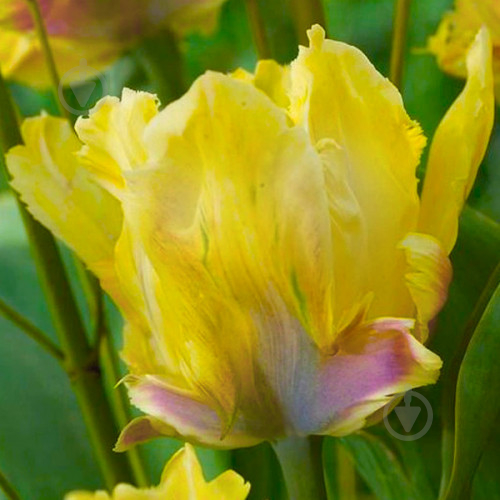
x: 373, y: 363
x: 177, y: 413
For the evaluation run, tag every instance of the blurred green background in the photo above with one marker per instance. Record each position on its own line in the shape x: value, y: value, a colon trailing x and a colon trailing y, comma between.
x: 43, y: 445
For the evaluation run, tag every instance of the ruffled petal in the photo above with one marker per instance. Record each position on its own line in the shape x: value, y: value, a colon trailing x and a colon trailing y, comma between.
x: 374, y: 362
x: 113, y: 135
x: 428, y: 278
x: 62, y: 195
x: 218, y: 162
x: 177, y: 413
x: 371, y: 149
x: 458, y: 148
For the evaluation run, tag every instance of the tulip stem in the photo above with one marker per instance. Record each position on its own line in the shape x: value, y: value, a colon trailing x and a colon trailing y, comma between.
x: 79, y: 364
x: 8, y: 489
x: 121, y: 406
x: 305, y: 14
x: 31, y: 330
x: 302, y: 466
x: 258, y: 28
x: 89, y: 283
x: 43, y: 38
x: 399, y: 35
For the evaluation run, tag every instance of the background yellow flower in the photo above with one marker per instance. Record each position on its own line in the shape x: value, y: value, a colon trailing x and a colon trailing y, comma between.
x: 457, y: 31
x: 182, y: 479
x: 93, y: 31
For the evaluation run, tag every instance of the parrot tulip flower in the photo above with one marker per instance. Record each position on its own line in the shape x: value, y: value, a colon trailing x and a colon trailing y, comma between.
x: 264, y: 239
x: 93, y: 31
x: 182, y: 479
x: 456, y: 32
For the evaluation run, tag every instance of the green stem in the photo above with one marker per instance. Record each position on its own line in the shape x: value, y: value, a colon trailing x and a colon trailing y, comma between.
x: 43, y: 37
x: 121, y: 407
x: 302, y: 466
x: 79, y: 363
x: 162, y: 60
x: 90, y: 290
x: 8, y: 489
x: 258, y: 28
x: 451, y: 378
x: 31, y: 330
x: 305, y: 14
x: 89, y: 282
x: 399, y: 35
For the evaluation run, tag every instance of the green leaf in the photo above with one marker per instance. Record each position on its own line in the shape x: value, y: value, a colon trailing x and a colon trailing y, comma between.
x: 474, y: 259
x: 477, y: 401
x: 379, y: 466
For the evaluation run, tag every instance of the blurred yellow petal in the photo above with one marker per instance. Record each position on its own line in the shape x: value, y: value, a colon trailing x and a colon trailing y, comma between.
x: 195, y: 15
x: 458, y: 148
x: 356, y: 117
x: 61, y: 194
x: 457, y: 31
x: 428, y: 277
x: 94, y: 31
x: 182, y: 479
x: 21, y: 57
x: 453, y: 38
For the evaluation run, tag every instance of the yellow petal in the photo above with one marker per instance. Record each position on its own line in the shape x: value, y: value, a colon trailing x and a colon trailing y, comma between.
x: 182, y: 479
x: 220, y: 158
x: 270, y: 77
x: 458, y: 148
x: 61, y: 194
x: 428, y: 277
x: 371, y: 149
x: 86, y: 495
x: 113, y: 140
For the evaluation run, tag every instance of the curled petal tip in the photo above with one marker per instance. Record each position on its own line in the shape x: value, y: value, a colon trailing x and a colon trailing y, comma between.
x: 316, y: 36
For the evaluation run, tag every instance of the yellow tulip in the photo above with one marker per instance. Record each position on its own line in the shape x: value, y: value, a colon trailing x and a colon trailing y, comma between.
x: 264, y: 239
x: 89, y: 35
x: 456, y: 33
x: 182, y: 479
